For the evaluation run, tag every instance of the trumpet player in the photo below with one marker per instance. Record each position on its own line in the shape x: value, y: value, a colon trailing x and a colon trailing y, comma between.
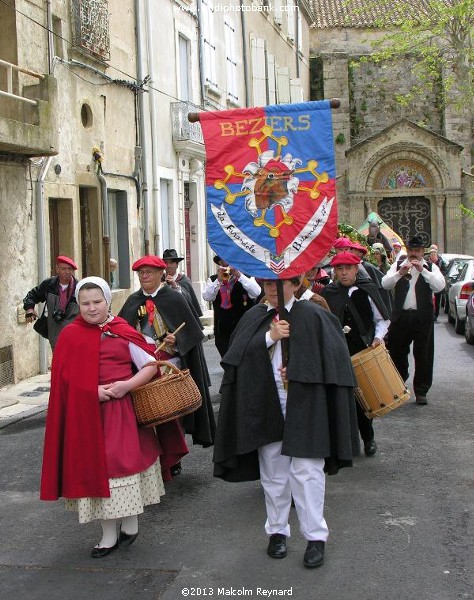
x: 232, y: 293
x: 414, y: 282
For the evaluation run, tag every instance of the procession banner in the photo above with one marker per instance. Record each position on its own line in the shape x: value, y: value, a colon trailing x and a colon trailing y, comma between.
x: 270, y: 185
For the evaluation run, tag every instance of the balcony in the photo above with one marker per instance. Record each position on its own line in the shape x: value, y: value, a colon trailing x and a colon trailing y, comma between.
x: 27, y: 112
x: 187, y: 137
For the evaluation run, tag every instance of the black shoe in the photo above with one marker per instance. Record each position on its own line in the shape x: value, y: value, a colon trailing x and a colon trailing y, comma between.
x: 314, y: 555
x: 126, y: 539
x: 176, y: 469
x: 370, y: 448
x: 421, y: 400
x: 277, y: 546
x: 100, y: 552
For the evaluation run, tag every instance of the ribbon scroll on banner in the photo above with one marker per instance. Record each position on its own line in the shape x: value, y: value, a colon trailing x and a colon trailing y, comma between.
x: 270, y: 185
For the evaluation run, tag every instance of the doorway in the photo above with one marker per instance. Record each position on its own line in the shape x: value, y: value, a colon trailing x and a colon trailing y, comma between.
x: 407, y: 216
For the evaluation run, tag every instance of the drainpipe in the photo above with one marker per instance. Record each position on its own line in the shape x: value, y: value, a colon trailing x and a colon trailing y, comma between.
x: 43, y: 270
x: 297, y: 38
x: 49, y: 21
x: 143, y: 143
x: 201, y: 53
x: 245, y: 58
x: 105, y: 214
x: 155, y: 191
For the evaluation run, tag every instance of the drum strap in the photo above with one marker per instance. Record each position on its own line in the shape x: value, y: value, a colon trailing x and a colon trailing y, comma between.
x: 360, y: 326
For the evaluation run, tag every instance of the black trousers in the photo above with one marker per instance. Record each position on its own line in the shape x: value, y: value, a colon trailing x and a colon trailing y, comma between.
x: 366, y: 429
x: 437, y: 303
x: 407, y: 329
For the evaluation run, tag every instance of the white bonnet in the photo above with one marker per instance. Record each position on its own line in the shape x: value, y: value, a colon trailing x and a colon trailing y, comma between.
x: 98, y: 281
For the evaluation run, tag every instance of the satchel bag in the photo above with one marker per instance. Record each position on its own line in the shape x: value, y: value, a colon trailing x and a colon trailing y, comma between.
x: 167, y: 398
x: 41, y: 324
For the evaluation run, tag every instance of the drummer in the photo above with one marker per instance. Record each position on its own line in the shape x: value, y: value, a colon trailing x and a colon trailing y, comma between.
x: 364, y: 318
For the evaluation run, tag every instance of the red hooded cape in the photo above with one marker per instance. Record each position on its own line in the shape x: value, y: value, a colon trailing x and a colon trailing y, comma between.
x: 74, y: 461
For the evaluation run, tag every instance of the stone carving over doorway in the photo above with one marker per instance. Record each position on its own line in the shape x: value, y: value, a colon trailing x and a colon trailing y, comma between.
x: 407, y: 215
x: 402, y: 174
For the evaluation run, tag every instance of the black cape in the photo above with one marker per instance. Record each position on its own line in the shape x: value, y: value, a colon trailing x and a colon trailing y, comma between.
x: 185, y: 283
x: 321, y: 417
x: 175, y: 310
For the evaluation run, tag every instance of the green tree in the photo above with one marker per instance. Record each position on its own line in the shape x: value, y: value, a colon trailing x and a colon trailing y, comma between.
x: 438, y: 34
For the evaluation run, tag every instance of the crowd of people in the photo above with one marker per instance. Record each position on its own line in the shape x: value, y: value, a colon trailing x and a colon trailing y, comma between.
x: 287, y: 415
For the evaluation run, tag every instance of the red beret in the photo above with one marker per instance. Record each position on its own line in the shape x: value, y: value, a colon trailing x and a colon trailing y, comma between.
x: 345, y: 258
x: 149, y: 261
x: 360, y: 247
x: 66, y: 260
x: 342, y: 242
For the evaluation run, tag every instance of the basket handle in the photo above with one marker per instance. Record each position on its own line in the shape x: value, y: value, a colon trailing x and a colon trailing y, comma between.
x: 165, y: 363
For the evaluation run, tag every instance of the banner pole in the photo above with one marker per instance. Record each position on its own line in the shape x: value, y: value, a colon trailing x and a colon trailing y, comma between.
x: 282, y: 316
x: 193, y: 117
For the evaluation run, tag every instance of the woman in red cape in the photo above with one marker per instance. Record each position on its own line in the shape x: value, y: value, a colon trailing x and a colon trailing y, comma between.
x: 95, y: 455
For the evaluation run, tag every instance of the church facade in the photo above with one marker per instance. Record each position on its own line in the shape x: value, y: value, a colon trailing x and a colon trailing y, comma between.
x: 411, y: 164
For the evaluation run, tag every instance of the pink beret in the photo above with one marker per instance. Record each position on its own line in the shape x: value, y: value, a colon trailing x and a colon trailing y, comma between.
x: 66, y: 260
x: 359, y: 247
x: 342, y: 242
x: 345, y: 258
x: 149, y: 261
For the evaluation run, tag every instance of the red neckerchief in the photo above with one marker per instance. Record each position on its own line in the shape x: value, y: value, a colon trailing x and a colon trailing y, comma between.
x: 225, y: 291
x: 150, y: 309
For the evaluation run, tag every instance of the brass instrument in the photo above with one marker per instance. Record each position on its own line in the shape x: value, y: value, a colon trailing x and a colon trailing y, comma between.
x: 408, y: 273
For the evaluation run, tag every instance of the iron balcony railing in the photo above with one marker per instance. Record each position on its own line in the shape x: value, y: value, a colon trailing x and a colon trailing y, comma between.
x: 183, y: 130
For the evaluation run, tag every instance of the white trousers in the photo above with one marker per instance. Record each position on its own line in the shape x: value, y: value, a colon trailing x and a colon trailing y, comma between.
x: 303, y: 478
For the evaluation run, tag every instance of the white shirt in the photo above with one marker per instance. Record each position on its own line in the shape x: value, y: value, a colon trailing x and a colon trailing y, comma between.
x: 277, y: 360
x: 249, y: 283
x: 434, y: 278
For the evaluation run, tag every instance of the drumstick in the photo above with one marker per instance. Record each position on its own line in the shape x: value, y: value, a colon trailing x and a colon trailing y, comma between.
x: 163, y: 344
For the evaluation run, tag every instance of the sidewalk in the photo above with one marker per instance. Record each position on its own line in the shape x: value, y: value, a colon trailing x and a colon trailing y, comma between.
x: 24, y: 399
x: 30, y: 396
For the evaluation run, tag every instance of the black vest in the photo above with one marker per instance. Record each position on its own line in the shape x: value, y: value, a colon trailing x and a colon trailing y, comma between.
x: 423, y: 292
x: 227, y: 318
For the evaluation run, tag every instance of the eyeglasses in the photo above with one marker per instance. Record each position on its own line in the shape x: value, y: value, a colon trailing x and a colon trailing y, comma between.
x: 149, y: 272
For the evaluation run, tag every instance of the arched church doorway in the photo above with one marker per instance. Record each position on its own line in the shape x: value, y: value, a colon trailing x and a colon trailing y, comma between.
x: 408, y: 216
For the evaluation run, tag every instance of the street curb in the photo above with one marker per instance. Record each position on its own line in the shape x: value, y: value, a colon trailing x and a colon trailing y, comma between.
x: 31, y: 412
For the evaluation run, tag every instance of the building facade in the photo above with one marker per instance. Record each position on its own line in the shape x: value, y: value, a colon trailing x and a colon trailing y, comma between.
x: 98, y: 159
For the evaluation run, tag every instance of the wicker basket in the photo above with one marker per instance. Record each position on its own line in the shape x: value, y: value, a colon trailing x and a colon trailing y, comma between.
x: 167, y: 398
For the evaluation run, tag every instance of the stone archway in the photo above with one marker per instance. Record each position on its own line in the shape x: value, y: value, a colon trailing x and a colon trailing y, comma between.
x: 408, y: 216
x: 405, y: 184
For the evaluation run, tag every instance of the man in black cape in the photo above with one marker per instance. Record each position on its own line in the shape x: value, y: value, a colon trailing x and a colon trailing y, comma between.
x: 357, y: 304
x: 171, y: 309
x: 311, y: 427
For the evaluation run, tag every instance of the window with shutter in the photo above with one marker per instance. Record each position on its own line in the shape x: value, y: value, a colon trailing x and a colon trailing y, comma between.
x: 210, y: 76
x: 296, y: 91
x: 271, y: 78
x: 290, y: 15
x: 283, y: 85
x: 258, y: 72
x: 231, y: 60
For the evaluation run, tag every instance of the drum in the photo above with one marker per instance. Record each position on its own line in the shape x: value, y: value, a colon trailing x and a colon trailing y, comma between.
x: 380, y: 388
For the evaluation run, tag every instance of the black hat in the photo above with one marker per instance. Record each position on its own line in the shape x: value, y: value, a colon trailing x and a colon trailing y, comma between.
x: 171, y: 254
x: 217, y: 259
x: 415, y: 242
